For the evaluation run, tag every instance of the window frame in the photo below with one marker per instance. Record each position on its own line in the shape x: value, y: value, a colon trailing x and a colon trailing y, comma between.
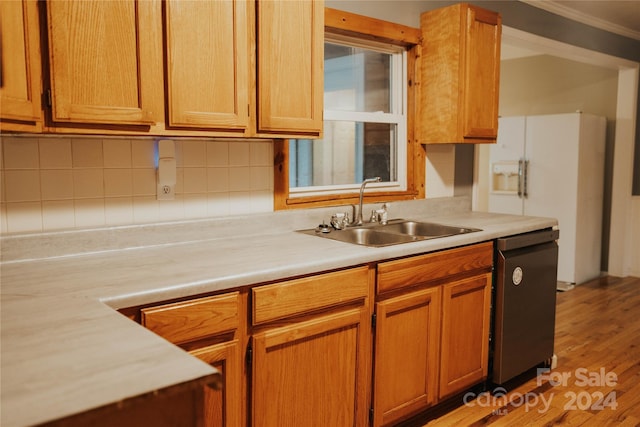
x: 342, y: 23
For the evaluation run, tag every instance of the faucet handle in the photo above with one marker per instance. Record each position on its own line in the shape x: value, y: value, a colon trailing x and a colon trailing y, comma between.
x: 383, y: 214
x: 340, y: 220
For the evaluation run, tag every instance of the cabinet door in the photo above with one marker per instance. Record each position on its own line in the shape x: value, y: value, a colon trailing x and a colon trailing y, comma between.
x: 482, y: 73
x: 20, y: 75
x: 207, y: 61
x: 460, y: 74
x: 465, y: 333
x: 290, y: 47
x: 209, y: 328
x: 406, y: 355
x: 223, y: 406
x: 101, y: 59
x: 313, y: 372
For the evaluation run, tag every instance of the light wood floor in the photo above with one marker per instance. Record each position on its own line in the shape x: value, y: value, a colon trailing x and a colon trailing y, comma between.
x: 597, y: 342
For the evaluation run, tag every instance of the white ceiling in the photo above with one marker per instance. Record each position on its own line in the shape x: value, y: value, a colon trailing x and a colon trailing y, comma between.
x: 617, y: 16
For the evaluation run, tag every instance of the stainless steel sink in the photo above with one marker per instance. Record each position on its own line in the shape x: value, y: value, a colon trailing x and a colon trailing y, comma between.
x: 368, y: 237
x: 426, y: 229
x: 395, y: 232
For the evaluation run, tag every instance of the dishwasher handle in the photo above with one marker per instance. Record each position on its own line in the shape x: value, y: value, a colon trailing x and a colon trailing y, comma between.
x: 527, y: 239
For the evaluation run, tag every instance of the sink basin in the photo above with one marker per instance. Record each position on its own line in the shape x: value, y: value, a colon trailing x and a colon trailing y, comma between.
x: 368, y: 237
x: 393, y: 233
x: 425, y: 229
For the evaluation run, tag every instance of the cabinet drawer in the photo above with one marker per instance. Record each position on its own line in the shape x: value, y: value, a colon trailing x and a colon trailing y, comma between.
x: 425, y: 268
x: 189, y: 320
x: 284, y: 299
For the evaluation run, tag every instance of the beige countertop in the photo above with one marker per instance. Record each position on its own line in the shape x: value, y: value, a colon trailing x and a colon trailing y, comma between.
x: 65, y: 349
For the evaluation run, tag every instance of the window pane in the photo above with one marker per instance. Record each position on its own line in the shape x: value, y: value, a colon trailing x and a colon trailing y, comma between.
x: 356, y: 79
x: 348, y: 153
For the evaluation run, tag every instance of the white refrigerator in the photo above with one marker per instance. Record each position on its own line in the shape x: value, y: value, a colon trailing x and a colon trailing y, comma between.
x: 553, y: 166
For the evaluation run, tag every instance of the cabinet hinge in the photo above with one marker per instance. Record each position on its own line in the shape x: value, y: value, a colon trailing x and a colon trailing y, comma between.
x: 373, y: 320
x: 248, y: 357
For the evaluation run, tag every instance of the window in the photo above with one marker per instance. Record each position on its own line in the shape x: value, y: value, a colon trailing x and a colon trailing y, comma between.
x: 364, y: 121
x: 369, y: 109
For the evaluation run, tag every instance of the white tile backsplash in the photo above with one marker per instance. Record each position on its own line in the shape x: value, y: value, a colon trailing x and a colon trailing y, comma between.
x: 118, y: 210
x: 21, y: 154
x: 22, y: 185
x: 143, y: 153
x: 64, y: 182
x: 87, y: 153
x: 240, y: 203
x: 195, y: 180
x: 24, y: 216
x: 118, y: 182
x: 56, y: 184
x: 88, y: 183
x: 261, y: 154
x: 4, y: 228
x: 117, y: 153
x: 144, y: 182
x: 55, y: 214
x: 218, y: 180
x: 145, y: 210
x: 193, y: 206
x: 218, y: 153
x: 239, y: 178
x: 261, y: 178
x: 55, y: 153
x: 194, y: 153
x: 89, y: 213
x: 171, y: 209
x: 239, y: 154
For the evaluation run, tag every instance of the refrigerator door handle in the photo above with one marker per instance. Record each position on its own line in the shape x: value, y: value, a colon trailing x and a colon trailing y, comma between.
x: 525, y: 176
x: 520, y: 177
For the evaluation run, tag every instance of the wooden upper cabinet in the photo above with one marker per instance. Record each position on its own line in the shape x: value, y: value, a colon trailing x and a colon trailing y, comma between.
x: 207, y: 64
x: 460, y: 75
x: 101, y: 61
x: 290, y: 67
x: 20, y: 85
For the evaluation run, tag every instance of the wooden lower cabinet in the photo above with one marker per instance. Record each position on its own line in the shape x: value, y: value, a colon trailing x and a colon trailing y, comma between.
x: 303, y: 352
x: 170, y: 407
x: 406, y: 354
x: 309, y: 373
x: 464, y: 351
x: 313, y: 370
x: 223, y: 406
x: 432, y: 329
x: 211, y: 330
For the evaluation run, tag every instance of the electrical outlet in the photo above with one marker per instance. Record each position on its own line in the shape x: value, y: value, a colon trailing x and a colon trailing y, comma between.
x: 166, y: 192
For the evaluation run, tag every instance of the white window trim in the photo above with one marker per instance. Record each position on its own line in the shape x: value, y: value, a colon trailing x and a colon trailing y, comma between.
x: 398, y: 117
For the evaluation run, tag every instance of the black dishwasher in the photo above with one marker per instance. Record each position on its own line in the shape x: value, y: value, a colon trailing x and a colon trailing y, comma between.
x: 525, y: 303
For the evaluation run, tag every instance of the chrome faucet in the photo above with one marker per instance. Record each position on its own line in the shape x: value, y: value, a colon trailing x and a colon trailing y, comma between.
x: 364, y: 183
